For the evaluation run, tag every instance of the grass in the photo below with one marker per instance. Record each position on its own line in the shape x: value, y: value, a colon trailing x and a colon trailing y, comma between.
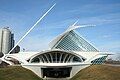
x: 98, y: 72
x: 94, y: 72
x: 17, y: 73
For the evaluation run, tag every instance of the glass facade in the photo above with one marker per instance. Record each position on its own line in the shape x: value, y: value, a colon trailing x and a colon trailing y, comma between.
x: 99, y: 60
x: 73, y: 42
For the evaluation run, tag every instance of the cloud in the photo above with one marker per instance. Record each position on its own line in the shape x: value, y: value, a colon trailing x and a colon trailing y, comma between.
x: 14, y: 21
x: 96, y: 14
x: 110, y: 46
x: 106, y: 36
x: 35, y: 43
x: 100, y: 20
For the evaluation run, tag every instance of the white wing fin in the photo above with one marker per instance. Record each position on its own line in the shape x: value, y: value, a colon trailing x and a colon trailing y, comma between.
x: 73, y: 27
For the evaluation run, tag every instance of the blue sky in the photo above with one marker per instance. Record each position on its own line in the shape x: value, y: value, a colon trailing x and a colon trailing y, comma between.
x: 20, y: 15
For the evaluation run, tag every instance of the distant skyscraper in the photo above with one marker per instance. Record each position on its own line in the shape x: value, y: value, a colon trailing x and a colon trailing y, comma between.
x: 6, y: 40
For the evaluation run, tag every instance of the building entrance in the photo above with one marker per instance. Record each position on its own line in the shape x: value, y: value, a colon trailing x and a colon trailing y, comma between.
x: 56, y: 72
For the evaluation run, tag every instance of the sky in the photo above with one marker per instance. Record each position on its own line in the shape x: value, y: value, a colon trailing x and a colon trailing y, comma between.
x: 20, y: 16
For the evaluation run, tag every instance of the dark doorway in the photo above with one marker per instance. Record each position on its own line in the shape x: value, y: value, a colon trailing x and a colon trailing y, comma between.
x: 56, y: 72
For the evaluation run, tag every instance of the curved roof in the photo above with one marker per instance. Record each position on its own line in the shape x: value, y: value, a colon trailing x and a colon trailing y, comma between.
x: 24, y: 56
x: 56, y: 56
x: 53, y: 50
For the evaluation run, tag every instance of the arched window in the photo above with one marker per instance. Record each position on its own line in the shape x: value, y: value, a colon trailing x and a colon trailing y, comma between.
x: 56, y: 57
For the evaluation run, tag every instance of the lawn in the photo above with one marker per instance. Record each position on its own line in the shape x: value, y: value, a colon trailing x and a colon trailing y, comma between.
x: 94, y: 72
x: 17, y: 73
x: 98, y: 72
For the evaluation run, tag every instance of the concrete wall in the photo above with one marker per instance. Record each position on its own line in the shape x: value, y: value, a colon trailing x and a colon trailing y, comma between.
x: 35, y: 69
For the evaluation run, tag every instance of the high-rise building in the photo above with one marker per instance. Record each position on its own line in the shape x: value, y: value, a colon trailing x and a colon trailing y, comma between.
x: 6, y: 40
